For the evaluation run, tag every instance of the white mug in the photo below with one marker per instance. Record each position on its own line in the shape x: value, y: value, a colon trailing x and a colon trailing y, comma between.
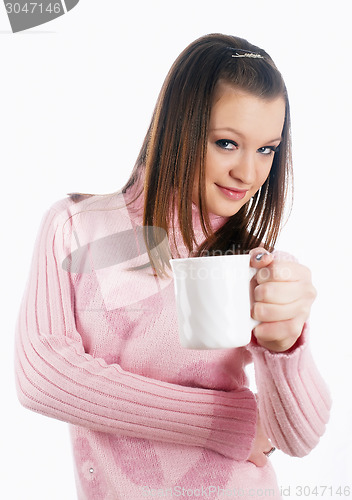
x: 213, y: 301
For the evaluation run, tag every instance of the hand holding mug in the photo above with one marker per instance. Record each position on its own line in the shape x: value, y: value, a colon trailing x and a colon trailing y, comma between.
x: 282, y: 298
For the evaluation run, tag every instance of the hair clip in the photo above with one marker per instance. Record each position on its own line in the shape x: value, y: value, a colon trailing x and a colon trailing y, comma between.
x: 247, y: 53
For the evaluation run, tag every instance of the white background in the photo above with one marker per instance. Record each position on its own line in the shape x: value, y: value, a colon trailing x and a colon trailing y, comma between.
x: 76, y: 98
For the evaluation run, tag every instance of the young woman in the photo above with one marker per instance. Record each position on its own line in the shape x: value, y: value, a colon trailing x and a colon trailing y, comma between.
x: 97, y: 342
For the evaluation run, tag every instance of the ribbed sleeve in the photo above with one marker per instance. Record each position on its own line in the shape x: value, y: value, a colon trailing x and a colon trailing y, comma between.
x: 56, y: 377
x: 294, y: 401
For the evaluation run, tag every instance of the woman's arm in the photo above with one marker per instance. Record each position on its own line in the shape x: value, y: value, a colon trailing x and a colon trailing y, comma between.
x: 56, y: 377
x: 293, y: 399
x: 294, y: 402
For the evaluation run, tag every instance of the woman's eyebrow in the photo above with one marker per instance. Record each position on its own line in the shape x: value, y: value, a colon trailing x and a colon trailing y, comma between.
x: 229, y: 129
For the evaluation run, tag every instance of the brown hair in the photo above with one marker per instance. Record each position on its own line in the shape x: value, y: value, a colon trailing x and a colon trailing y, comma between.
x: 176, y: 142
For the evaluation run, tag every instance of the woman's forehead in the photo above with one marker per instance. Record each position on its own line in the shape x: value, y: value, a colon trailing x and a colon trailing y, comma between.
x: 244, y: 113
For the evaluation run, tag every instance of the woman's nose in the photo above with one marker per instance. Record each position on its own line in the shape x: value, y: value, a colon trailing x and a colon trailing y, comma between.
x: 244, y: 169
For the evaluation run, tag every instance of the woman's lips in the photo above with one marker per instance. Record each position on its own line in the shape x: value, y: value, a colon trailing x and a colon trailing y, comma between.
x: 232, y: 194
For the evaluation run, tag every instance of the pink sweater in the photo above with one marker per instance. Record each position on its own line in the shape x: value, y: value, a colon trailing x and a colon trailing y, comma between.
x: 97, y: 346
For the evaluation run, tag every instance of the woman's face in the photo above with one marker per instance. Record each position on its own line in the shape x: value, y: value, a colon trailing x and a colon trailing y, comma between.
x: 244, y: 132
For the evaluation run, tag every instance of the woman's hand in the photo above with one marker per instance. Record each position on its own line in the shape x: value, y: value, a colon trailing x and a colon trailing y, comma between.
x: 260, y: 446
x: 282, y: 298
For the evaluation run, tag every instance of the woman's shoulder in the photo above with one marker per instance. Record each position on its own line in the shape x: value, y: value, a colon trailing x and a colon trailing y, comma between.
x: 89, y: 216
x: 81, y: 204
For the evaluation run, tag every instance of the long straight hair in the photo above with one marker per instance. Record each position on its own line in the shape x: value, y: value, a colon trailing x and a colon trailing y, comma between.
x: 176, y: 142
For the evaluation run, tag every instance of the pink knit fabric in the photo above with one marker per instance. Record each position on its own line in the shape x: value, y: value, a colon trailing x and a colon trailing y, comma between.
x: 98, y: 348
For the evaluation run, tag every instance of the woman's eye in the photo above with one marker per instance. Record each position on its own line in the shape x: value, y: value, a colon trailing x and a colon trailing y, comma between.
x: 268, y: 150
x: 226, y: 144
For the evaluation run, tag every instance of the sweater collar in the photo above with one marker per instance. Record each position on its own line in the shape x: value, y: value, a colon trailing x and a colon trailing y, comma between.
x: 177, y: 245
x: 216, y: 221
x: 135, y: 211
